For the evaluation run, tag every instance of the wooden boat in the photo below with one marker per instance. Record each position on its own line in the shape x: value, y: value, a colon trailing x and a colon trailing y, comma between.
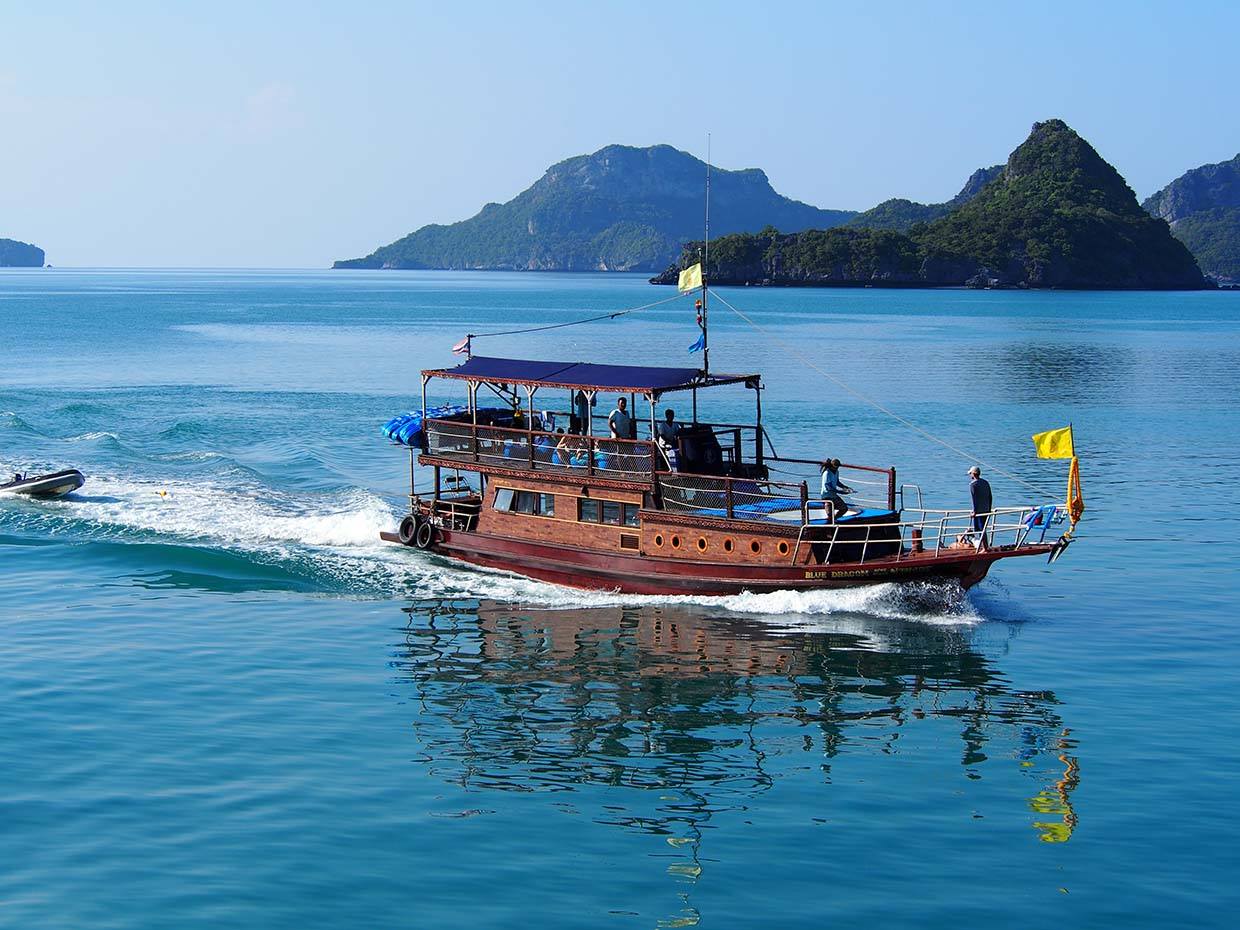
x: 56, y: 484
x: 697, y: 514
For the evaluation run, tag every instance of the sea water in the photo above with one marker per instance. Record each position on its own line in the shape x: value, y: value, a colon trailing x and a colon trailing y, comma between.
x: 223, y: 702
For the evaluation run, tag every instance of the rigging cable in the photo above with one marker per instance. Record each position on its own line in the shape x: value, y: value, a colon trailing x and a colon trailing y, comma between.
x: 875, y: 404
x: 593, y: 319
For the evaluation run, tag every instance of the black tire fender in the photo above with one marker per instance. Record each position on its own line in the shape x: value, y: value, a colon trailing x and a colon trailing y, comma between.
x: 408, y: 529
x: 425, y: 535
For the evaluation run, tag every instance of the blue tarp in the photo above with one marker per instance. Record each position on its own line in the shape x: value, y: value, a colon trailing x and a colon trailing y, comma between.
x: 774, y: 504
x: 406, y: 428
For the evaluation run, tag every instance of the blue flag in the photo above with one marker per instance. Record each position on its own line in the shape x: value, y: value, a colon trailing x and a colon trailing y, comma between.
x: 699, y: 345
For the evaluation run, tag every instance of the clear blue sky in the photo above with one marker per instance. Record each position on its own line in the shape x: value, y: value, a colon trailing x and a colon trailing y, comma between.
x: 288, y: 135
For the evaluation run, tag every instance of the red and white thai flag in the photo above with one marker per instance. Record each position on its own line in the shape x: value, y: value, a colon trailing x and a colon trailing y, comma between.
x: 462, y: 347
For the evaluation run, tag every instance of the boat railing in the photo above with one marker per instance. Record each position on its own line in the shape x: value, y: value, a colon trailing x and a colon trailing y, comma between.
x: 735, y: 498
x: 455, y: 513
x: 1005, y: 528
x: 871, y: 486
x: 537, y: 450
x: 934, y: 532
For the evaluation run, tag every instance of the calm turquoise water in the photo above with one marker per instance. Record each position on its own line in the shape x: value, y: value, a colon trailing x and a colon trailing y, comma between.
x: 228, y: 705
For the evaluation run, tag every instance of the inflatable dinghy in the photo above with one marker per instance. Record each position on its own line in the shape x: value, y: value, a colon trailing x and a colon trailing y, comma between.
x: 57, y: 484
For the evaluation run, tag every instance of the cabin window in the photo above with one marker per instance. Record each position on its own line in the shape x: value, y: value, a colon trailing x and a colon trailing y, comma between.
x: 611, y: 513
x: 526, y: 502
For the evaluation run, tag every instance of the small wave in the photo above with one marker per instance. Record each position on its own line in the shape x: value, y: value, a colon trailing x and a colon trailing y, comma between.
x: 82, y: 408
x: 201, y: 455
x: 183, y: 429
x: 93, y: 436
x: 10, y: 420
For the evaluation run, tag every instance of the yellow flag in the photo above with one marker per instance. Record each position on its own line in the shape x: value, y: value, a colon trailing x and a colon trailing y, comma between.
x: 691, y: 278
x: 1054, y: 444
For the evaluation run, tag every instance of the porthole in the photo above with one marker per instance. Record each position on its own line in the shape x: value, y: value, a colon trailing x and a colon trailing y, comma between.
x: 675, y: 541
x: 728, y: 545
x: 658, y: 540
x: 754, y: 546
x: 782, y: 547
x: 701, y: 544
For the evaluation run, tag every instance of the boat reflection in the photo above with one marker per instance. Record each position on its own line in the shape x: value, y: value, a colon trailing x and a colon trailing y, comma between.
x: 708, y: 710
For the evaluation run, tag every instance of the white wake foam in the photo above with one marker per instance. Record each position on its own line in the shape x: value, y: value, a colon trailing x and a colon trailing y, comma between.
x: 336, y: 536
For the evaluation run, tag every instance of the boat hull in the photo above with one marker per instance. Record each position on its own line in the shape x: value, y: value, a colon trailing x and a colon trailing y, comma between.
x: 46, y: 487
x: 644, y: 574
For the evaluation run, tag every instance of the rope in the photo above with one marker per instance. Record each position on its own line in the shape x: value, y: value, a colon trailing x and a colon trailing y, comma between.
x: 593, y: 319
x: 876, y: 405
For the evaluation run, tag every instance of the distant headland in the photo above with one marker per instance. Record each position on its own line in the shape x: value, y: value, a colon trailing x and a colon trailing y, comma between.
x: 14, y: 254
x: 1056, y: 215
x: 1203, y: 208
x: 619, y: 209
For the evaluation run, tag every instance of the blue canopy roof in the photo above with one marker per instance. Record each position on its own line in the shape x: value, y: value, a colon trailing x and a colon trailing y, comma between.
x: 586, y: 375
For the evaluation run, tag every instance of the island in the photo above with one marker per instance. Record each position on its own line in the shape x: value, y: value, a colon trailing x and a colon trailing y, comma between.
x: 14, y: 254
x: 1203, y: 208
x: 621, y: 208
x: 1056, y: 215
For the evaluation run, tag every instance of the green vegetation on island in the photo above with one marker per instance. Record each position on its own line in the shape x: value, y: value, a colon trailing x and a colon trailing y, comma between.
x: 1203, y: 208
x: 14, y: 254
x: 619, y: 209
x: 1056, y: 215
x: 902, y: 215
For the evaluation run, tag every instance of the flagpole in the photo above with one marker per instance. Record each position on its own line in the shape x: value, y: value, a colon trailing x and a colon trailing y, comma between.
x: 705, y: 264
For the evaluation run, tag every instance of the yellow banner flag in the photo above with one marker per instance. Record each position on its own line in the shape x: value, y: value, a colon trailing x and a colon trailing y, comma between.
x: 1055, y: 444
x: 1075, y: 502
x: 691, y: 278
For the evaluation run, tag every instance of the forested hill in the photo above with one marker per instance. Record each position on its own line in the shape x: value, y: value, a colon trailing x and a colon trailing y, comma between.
x: 620, y: 209
x: 902, y: 215
x: 14, y: 254
x: 1057, y: 215
x: 1203, y: 208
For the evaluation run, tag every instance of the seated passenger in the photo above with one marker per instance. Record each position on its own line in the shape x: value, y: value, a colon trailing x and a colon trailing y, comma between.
x: 544, y: 446
x: 560, y: 454
x: 832, y: 488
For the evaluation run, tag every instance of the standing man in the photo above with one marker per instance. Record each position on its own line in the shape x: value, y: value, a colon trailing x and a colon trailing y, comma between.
x: 666, y: 430
x: 983, y: 501
x: 619, y: 421
x: 581, y: 414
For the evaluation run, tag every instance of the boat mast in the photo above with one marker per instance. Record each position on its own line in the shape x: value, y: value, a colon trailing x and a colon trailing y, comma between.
x: 705, y: 263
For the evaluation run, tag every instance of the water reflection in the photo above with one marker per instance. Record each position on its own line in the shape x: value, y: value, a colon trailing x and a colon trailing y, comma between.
x: 710, y: 712
x: 1088, y: 373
